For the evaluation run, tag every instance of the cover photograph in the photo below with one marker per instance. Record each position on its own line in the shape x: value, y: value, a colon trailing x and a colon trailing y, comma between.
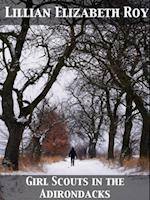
x: 74, y: 99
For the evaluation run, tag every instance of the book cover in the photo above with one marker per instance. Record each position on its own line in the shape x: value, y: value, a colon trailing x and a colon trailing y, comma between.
x: 74, y: 99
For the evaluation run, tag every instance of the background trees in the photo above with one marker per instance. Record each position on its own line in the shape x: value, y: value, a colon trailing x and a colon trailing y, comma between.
x: 113, y: 57
x: 56, y: 141
x: 87, y: 113
x: 49, y: 134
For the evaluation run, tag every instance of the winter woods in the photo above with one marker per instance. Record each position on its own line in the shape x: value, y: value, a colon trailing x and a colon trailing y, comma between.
x: 49, y: 134
x: 109, y: 95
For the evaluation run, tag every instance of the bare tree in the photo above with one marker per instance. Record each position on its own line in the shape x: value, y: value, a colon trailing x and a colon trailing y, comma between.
x: 122, y: 50
x: 126, y: 150
x: 112, y: 108
x: 87, y: 109
x: 14, y: 45
x: 136, y: 86
x: 49, y: 133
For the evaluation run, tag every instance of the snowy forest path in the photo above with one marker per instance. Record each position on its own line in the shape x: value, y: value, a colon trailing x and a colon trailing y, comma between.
x: 81, y: 167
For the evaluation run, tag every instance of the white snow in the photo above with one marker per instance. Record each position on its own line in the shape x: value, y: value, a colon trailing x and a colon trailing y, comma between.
x: 88, y: 167
x: 82, y: 167
x: 22, y: 120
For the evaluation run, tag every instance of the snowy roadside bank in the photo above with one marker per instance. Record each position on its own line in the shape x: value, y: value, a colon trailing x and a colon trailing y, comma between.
x: 82, y: 167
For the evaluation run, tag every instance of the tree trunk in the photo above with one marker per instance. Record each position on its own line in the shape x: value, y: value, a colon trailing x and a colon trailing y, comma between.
x: 111, y: 145
x: 92, y: 149
x: 126, y: 151
x: 126, y: 83
x: 145, y: 140
x: 112, y: 133
x: 11, y: 156
x: 36, y: 149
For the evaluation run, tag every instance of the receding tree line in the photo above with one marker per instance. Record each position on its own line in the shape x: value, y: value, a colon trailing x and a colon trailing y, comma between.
x: 114, y: 61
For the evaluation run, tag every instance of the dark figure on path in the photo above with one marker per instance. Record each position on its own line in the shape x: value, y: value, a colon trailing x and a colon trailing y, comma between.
x: 72, y: 155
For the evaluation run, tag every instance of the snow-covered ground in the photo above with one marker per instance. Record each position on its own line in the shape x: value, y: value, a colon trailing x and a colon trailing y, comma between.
x: 82, y: 167
x: 87, y: 167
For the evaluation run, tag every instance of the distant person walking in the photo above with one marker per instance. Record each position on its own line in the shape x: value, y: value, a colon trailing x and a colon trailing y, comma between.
x: 72, y: 155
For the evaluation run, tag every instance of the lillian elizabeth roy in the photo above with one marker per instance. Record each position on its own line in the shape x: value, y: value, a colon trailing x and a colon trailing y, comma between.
x: 60, y: 12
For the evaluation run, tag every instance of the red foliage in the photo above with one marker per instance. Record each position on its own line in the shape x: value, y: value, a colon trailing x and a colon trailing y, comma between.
x: 56, y: 141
